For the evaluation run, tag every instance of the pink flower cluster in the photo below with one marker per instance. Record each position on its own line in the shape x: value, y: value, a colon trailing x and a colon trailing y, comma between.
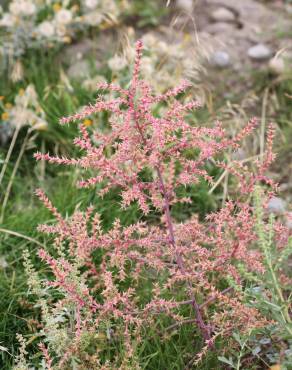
x: 148, y: 157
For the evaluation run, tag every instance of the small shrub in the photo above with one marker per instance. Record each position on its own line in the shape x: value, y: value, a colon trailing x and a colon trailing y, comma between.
x: 105, y: 290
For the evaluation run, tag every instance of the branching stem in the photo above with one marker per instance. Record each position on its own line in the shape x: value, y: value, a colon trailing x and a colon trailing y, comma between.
x: 204, y: 328
x: 199, y: 319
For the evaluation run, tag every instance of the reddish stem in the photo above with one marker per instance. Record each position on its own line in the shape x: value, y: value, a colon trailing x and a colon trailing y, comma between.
x: 199, y: 319
x: 205, y: 330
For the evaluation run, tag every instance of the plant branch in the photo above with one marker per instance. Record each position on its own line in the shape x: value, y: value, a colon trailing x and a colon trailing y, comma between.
x: 10, y: 183
x: 6, y: 161
x: 199, y: 319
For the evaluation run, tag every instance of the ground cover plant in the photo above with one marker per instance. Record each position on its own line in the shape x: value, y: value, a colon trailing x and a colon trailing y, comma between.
x: 30, y: 25
x: 109, y: 292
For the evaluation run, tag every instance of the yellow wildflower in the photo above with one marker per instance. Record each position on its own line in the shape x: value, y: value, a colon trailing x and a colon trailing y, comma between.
x: 67, y: 39
x: 187, y: 37
x: 4, y: 116
x: 21, y: 92
x: 87, y: 122
x: 8, y: 105
x: 75, y: 8
x: 40, y: 126
x: 106, y: 25
x: 275, y: 367
x: 57, y: 7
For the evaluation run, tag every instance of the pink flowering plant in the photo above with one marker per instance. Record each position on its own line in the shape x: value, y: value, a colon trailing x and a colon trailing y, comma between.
x: 108, y: 288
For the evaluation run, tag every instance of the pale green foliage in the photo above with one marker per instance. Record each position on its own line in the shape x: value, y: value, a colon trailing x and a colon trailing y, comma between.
x: 33, y: 280
x: 265, y: 292
x: 273, y: 259
x: 20, y: 360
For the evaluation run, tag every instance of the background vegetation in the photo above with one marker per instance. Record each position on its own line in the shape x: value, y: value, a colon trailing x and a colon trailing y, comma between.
x: 60, y: 90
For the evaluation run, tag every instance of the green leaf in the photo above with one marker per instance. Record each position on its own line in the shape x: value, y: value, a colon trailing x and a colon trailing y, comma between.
x: 227, y: 361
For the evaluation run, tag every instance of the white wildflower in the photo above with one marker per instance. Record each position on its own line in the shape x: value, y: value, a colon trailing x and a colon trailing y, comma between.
x: 64, y: 16
x: 28, y: 97
x: 46, y: 29
x: 163, y: 48
x: 40, y: 125
x: 20, y: 117
x: 147, y: 68
x: 91, y: 83
x: 17, y: 72
x: 22, y: 8
x: 27, y: 111
x: 149, y: 40
x: 61, y: 30
x: 8, y: 20
x: 117, y: 63
x: 91, y: 4
x: 92, y: 18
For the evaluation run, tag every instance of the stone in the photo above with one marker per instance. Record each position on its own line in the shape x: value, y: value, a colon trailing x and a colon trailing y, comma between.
x: 79, y: 70
x: 185, y: 5
x: 219, y: 27
x: 259, y: 52
x: 220, y: 59
x: 276, y: 205
x: 223, y: 15
x: 277, y: 66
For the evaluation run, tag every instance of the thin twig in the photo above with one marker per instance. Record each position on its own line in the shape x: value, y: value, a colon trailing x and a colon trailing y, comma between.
x: 189, y: 321
x: 225, y: 187
x: 225, y: 172
x: 263, y: 122
x: 199, y: 319
x: 6, y: 161
x: 22, y: 236
x: 211, y: 299
x: 180, y: 323
x: 7, y: 193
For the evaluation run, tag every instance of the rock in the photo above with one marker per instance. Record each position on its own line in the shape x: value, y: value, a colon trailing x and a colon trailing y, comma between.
x: 220, y: 59
x: 79, y: 70
x: 259, y: 52
x: 219, y: 27
x: 223, y: 15
x: 185, y: 5
x: 281, y: 63
x: 277, y: 66
x: 276, y: 205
